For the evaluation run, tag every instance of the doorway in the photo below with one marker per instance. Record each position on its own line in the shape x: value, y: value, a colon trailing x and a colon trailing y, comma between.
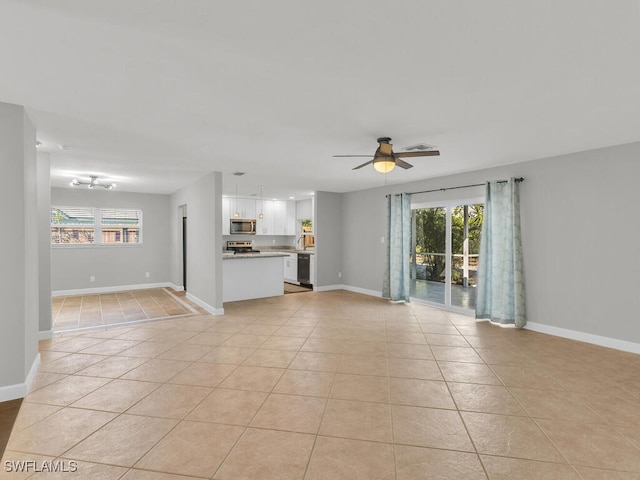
x: 184, y: 253
x: 445, y: 242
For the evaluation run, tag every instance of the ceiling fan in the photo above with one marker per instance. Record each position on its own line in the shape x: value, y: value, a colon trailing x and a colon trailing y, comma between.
x: 385, y: 159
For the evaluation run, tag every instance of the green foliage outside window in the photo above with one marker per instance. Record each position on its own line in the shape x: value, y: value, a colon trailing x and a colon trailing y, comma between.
x: 431, y: 238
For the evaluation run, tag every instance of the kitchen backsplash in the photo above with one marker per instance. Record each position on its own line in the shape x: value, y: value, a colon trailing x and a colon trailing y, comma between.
x: 263, y: 240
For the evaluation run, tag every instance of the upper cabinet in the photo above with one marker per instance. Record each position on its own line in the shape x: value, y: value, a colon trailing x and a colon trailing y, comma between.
x: 283, y: 217
x: 264, y: 225
x: 246, y: 208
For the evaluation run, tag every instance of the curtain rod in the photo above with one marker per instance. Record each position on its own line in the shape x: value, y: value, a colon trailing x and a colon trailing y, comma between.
x: 518, y: 180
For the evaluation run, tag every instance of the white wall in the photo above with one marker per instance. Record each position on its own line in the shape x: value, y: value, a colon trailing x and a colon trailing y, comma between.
x: 203, y: 202
x: 19, y: 288
x: 579, y: 228
x: 327, y: 229
x: 114, y: 266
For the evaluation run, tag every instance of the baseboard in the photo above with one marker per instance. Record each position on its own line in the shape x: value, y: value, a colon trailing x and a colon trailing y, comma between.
x: 205, y: 305
x: 20, y: 390
x: 45, y: 335
x: 584, y: 337
x: 175, y: 288
x: 119, y: 288
x: 328, y: 288
x: 349, y: 288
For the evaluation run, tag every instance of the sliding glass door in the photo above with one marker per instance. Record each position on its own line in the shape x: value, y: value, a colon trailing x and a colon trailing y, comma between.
x: 466, y: 227
x: 429, y: 254
x: 444, y: 256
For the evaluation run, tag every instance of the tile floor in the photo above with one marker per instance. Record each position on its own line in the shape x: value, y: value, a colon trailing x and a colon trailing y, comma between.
x: 8, y: 413
x: 80, y: 311
x: 329, y: 385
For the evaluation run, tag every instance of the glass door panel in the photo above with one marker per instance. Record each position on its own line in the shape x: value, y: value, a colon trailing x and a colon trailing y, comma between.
x: 429, y: 255
x: 466, y: 226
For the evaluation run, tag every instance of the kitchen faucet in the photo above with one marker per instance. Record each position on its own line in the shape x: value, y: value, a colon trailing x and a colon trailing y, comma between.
x: 301, y: 244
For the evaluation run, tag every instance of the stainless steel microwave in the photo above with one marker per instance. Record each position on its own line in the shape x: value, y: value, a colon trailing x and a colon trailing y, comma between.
x: 243, y: 226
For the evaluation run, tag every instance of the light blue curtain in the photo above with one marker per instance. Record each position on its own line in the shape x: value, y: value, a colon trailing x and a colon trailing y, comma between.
x: 500, y: 292
x: 396, y: 284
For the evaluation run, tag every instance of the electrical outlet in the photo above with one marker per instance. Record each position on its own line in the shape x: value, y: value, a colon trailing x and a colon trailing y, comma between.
x: 147, y: 275
x: 273, y: 241
x: 339, y: 274
x: 381, y: 239
x: 92, y: 278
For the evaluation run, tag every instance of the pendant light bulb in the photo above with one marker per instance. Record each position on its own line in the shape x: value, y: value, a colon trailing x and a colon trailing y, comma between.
x: 261, y: 215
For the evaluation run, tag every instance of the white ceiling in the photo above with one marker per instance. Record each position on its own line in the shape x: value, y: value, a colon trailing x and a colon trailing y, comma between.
x: 153, y: 94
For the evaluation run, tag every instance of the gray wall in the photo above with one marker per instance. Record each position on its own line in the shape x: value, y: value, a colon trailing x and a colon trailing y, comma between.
x: 19, y: 289
x: 579, y: 235
x: 203, y: 203
x: 114, y: 266
x: 44, y: 240
x: 327, y: 228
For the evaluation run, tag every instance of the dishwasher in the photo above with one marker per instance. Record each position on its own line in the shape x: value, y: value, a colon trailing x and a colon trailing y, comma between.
x: 304, y: 273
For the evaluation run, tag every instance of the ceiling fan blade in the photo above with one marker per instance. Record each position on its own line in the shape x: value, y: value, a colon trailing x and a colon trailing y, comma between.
x: 403, y: 164
x: 363, y: 165
x: 426, y: 153
x: 363, y: 156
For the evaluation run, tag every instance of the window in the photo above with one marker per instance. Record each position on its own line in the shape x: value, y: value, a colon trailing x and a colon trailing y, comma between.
x: 95, y: 226
x: 73, y: 225
x: 120, y: 225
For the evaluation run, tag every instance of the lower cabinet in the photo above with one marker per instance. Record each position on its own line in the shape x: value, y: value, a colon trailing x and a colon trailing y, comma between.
x: 291, y: 268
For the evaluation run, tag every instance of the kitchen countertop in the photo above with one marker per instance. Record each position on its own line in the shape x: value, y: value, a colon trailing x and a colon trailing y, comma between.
x: 234, y: 256
x: 291, y: 251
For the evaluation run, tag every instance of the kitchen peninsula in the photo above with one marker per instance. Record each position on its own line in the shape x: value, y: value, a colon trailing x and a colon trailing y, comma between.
x: 252, y: 275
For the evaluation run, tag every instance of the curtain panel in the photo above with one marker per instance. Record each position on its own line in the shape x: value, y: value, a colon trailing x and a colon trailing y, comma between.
x: 396, y: 284
x: 500, y: 292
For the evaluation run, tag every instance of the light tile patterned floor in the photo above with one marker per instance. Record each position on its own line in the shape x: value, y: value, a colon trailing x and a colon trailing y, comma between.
x: 81, y: 311
x: 330, y: 385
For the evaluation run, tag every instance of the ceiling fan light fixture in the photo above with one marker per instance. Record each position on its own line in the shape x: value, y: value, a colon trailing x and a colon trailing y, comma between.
x: 383, y: 164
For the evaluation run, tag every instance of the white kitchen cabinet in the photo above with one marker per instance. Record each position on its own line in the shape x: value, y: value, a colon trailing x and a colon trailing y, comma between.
x: 291, y: 268
x: 246, y: 207
x: 264, y: 226
x: 290, y: 221
x: 284, y: 217
x: 279, y: 217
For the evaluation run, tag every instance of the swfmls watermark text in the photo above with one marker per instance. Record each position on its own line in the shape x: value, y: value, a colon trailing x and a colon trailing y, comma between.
x: 33, y: 466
